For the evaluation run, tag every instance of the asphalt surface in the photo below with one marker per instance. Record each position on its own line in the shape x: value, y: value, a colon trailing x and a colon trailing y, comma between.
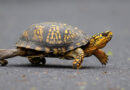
x: 92, y: 16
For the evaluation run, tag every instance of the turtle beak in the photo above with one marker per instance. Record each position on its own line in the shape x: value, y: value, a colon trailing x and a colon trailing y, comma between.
x: 107, y: 34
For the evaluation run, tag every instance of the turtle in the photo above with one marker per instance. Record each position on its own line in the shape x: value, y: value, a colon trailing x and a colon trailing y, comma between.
x: 58, y: 40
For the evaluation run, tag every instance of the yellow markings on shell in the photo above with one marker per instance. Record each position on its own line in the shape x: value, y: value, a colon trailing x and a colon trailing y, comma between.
x: 25, y: 34
x: 59, y: 36
x: 38, y: 48
x: 47, y: 40
x: 47, y: 50
x: 66, y: 31
x: 54, y: 36
x: 76, y: 28
x: 63, y: 49
x: 69, y: 35
x: 59, y: 42
x: 65, y: 38
x: 48, y: 36
x: 71, y: 47
x: 78, y: 44
x: 59, y: 50
x: 55, y: 51
x: 84, y: 42
x: 58, y: 32
x: 38, y: 33
x: 28, y: 46
x: 21, y: 44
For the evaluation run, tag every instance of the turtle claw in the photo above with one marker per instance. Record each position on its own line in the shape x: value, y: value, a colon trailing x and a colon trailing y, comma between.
x: 76, y: 66
x: 3, y: 62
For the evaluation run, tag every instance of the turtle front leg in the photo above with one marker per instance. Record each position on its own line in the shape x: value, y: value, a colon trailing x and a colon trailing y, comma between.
x: 78, y: 55
x: 35, y: 60
x: 102, y: 57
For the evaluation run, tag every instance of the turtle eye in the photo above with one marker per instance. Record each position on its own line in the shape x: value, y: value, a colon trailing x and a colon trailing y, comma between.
x: 104, y: 34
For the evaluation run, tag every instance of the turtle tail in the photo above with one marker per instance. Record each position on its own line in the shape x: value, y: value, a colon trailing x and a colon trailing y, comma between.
x: 8, y: 53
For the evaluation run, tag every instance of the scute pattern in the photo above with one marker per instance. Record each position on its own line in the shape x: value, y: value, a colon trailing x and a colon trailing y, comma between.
x: 52, y: 37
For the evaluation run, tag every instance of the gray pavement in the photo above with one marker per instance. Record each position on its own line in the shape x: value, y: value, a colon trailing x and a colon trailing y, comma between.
x: 92, y: 16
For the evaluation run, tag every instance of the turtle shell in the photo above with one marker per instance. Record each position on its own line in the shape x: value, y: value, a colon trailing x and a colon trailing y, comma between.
x: 52, y: 37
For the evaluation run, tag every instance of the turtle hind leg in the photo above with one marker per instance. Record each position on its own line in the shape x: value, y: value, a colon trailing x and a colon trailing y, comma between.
x: 3, y: 62
x: 102, y: 57
x: 35, y: 60
x: 78, y: 55
x: 7, y: 53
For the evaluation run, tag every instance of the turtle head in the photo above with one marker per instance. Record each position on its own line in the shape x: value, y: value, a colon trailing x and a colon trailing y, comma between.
x: 101, y: 39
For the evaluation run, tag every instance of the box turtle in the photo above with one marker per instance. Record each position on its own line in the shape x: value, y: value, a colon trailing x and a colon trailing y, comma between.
x: 52, y: 39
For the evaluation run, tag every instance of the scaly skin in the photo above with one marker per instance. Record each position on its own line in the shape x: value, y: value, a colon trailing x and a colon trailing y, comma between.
x: 94, y: 48
x: 96, y: 43
x: 77, y: 55
x: 102, y: 57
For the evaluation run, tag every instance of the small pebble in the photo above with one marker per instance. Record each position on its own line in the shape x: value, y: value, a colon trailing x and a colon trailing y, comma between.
x: 97, y: 78
x: 24, y: 76
x: 82, y: 83
x: 122, y: 88
x: 82, y: 87
x: 109, y: 53
x: 128, y: 59
x: 33, y: 88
